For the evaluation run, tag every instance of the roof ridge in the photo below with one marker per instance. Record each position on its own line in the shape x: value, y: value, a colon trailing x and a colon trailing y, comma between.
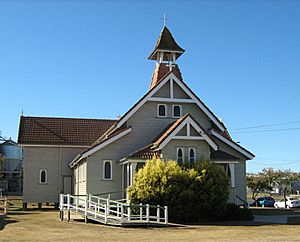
x: 48, y: 117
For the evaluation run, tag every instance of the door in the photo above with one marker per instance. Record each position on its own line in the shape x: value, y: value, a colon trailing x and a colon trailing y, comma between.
x: 67, y: 185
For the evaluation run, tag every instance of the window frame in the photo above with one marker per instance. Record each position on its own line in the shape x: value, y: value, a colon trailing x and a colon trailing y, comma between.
x: 166, y: 110
x: 110, y: 162
x: 180, y: 108
x: 46, y: 176
x: 192, y: 148
x: 182, y: 150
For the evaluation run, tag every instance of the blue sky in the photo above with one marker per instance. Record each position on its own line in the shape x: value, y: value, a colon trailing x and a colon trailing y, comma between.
x: 89, y: 59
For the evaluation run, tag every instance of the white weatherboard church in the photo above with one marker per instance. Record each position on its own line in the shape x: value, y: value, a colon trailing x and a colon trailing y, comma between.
x: 94, y: 156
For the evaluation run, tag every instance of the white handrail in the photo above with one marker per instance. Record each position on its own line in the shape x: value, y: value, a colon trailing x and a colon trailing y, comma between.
x: 96, y: 207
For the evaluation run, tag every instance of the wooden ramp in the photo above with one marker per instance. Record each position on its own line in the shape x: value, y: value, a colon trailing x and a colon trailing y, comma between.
x: 112, y: 212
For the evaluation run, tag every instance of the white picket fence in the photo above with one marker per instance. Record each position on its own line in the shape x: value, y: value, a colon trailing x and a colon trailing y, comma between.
x: 107, y: 211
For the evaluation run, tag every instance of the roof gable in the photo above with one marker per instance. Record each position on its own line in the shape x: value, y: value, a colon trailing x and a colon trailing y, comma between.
x: 186, y: 121
x: 149, y: 96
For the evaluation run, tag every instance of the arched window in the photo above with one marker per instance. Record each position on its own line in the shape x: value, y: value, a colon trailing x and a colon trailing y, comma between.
x: 43, y: 176
x: 107, y: 170
x: 176, y: 111
x: 180, y: 156
x: 192, y: 156
x: 162, y: 110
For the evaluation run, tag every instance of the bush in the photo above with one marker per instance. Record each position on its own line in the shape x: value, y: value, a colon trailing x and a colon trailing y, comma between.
x: 192, y: 195
x: 234, y: 212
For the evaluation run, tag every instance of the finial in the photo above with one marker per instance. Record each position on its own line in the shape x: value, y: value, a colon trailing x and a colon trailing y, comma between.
x: 22, y: 112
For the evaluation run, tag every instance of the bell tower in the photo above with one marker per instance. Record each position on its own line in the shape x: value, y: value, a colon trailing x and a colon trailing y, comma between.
x: 165, y: 53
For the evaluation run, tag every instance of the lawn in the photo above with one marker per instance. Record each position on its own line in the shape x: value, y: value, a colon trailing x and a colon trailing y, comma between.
x: 35, y: 225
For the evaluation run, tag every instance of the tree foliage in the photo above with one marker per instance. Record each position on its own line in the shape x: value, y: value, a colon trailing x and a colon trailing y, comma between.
x: 195, y: 194
x: 258, y: 183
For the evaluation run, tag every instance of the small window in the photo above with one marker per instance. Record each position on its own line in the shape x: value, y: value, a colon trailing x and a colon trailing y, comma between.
x: 176, y: 111
x: 162, y: 110
x: 180, y: 156
x: 107, y: 170
x: 192, y: 156
x: 43, y: 176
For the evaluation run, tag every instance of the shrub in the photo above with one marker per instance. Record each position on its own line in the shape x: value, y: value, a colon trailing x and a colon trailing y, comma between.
x: 234, y: 212
x: 192, y: 195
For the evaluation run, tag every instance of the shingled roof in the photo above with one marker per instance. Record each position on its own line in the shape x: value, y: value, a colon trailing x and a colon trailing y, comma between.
x: 61, y: 131
x: 166, y: 42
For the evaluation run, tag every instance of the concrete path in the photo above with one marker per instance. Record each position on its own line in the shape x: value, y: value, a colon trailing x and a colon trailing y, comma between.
x: 277, y: 219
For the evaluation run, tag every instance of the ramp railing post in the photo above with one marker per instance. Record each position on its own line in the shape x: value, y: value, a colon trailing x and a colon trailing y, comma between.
x: 129, y: 212
x: 107, y: 205
x: 141, y: 211
x: 85, y: 208
x: 158, y: 213
x: 77, y: 204
x: 166, y: 215
x: 68, y: 206
x: 105, y: 213
x: 147, y: 213
x: 122, y: 212
x: 5, y: 207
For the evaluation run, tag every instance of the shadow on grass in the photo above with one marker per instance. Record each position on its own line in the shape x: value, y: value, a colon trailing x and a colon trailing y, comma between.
x: 5, y: 221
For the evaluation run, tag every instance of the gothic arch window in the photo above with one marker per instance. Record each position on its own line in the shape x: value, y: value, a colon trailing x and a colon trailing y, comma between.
x: 180, y: 155
x: 107, y: 170
x: 161, y: 110
x: 43, y: 176
x: 176, y: 111
x: 192, y: 156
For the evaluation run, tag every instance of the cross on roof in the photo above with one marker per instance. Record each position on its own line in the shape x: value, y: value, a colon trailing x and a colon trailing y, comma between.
x: 165, y: 19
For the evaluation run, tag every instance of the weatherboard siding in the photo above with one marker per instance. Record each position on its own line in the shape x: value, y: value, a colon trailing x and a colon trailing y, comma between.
x: 201, y: 147
x: 55, y: 161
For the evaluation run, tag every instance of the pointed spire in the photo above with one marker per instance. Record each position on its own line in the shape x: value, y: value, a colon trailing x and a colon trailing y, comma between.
x: 166, y: 48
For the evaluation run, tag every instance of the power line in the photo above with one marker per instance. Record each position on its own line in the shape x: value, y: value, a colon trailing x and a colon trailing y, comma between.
x: 264, y: 130
x: 267, y: 125
x: 275, y: 164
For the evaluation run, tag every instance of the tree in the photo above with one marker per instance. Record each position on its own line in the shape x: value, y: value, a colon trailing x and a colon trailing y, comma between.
x: 280, y: 178
x: 258, y: 183
x: 192, y: 194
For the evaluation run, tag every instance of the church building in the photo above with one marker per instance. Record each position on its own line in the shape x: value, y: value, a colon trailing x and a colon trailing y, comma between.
x: 94, y: 156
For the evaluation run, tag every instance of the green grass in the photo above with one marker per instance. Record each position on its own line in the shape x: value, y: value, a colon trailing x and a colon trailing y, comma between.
x: 35, y: 225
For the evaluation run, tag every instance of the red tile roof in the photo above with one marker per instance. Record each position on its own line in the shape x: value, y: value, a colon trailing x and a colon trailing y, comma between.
x: 144, y: 153
x: 61, y: 131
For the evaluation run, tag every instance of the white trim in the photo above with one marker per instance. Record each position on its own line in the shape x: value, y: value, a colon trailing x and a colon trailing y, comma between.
x: 107, y: 142
x: 98, y: 147
x: 171, y: 88
x: 233, y: 145
x: 170, y: 100
x: 149, y: 97
x: 203, y: 108
x: 224, y: 162
x: 182, y: 150
x: 46, y: 176
x: 104, y: 162
x: 189, y: 155
x: 54, y: 146
x: 180, y: 110
x: 166, y: 110
x: 232, y: 174
x: 188, y: 129
x: 203, y: 136
x: 141, y: 103
x: 188, y: 138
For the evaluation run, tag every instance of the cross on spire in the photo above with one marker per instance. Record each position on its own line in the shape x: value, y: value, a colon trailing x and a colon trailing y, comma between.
x: 165, y: 20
